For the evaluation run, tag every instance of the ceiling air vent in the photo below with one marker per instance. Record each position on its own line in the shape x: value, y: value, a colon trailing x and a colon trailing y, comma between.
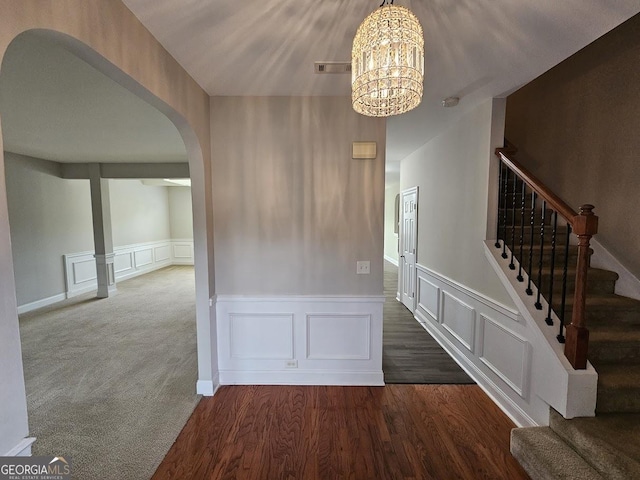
x: 333, y: 67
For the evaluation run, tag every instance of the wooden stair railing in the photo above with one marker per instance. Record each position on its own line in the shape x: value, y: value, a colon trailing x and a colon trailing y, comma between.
x: 520, y: 190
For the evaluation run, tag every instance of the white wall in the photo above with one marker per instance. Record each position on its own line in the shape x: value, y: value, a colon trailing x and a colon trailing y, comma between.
x: 49, y: 217
x: 452, y: 173
x: 390, y: 237
x: 139, y: 213
x: 180, y: 215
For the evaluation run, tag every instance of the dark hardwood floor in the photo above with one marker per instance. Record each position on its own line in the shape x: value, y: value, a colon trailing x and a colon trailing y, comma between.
x: 409, y: 353
x: 301, y: 432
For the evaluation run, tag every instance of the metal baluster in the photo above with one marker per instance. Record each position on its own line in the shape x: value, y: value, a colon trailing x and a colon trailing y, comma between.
x: 534, y: 198
x: 549, y: 320
x: 563, y: 302
x: 504, y: 215
x: 523, y: 202
x: 538, y: 305
x: 497, y: 244
x: 513, y: 220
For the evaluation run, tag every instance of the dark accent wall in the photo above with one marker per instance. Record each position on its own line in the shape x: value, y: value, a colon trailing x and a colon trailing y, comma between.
x: 577, y: 128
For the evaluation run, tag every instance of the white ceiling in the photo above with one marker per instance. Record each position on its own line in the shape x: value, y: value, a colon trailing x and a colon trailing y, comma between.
x: 55, y: 106
x: 475, y: 49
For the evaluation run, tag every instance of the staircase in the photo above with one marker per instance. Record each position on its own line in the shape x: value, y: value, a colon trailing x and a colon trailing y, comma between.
x: 608, y: 445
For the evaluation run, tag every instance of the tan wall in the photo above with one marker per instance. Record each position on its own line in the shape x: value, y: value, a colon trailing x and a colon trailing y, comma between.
x: 123, y: 45
x: 293, y: 211
x: 576, y: 128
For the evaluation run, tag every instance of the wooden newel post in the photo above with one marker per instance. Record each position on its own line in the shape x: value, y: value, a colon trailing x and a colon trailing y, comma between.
x: 585, y: 225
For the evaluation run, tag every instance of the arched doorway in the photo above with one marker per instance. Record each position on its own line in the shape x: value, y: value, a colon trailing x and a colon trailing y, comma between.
x: 125, y: 46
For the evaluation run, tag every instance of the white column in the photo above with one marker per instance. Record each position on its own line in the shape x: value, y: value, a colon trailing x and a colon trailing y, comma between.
x: 102, y: 237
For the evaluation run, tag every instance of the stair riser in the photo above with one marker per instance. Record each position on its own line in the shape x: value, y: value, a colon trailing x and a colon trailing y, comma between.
x: 561, y: 234
x: 614, y: 352
x: 618, y: 400
x: 595, y: 285
x: 622, y: 318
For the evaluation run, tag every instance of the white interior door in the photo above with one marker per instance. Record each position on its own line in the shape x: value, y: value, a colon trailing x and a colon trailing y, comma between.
x: 408, y: 243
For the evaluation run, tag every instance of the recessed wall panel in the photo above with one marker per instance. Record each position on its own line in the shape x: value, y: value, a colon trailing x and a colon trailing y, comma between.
x: 338, y: 337
x: 428, y: 297
x: 84, y: 271
x: 143, y: 257
x: 123, y: 262
x: 261, y: 336
x: 162, y: 253
x: 506, y: 354
x: 459, y: 320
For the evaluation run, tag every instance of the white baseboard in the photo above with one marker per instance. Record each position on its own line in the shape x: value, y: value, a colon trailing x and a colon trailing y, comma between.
x: 391, y: 260
x: 315, y: 377
x: 22, y: 449
x: 490, y: 341
x: 80, y: 291
x: 27, y: 307
x: 506, y: 404
x: 627, y: 284
x: 205, y: 388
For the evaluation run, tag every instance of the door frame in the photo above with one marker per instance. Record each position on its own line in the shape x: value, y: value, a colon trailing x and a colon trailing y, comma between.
x: 401, y: 233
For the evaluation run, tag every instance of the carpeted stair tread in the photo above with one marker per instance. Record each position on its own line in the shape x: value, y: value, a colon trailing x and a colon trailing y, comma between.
x: 609, y: 345
x: 618, y: 388
x: 598, y: 281
x: 545, y: 456
x: 610, y: 443
x: 607, y: 309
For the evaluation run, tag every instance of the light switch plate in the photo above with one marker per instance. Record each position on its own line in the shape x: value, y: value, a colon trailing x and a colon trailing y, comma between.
x: 363, y: 267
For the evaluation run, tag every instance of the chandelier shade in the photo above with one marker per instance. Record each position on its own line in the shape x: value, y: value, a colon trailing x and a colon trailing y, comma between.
x: 387, y: 63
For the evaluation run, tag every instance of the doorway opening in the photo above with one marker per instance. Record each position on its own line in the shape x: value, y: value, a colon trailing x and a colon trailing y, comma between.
x: 102, y: 376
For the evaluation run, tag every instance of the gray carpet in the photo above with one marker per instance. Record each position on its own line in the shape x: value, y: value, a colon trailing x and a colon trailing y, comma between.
x: 409, y: 353
x: 111, y: 382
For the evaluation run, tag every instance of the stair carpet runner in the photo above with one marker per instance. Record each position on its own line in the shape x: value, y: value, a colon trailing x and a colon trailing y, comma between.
x: 608, y: 445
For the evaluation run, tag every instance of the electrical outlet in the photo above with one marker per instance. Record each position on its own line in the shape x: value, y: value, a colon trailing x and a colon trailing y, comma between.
x: 291, y: 363
x: 363, y: 267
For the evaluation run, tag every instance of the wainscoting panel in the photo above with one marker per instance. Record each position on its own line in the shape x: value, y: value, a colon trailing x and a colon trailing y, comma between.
x: 300, y: 340
x: 261, y: 336
x: 143, y: 257
x: 162, y: 253
x: 506, y: 353
x: 84, y: 271
x: 338, y: 337
x: 488, y: 340
x: 459, y: 319
x: 182, y: 252
x: 428, y: 298
x: 129, y: 261
x: 123, y: 262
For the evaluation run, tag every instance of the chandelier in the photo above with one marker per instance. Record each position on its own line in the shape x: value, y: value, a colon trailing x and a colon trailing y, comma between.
x: 387, y: 62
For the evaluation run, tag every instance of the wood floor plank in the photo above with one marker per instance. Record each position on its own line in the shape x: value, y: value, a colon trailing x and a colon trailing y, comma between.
x: 409, y: 353
x: 395, y: 432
